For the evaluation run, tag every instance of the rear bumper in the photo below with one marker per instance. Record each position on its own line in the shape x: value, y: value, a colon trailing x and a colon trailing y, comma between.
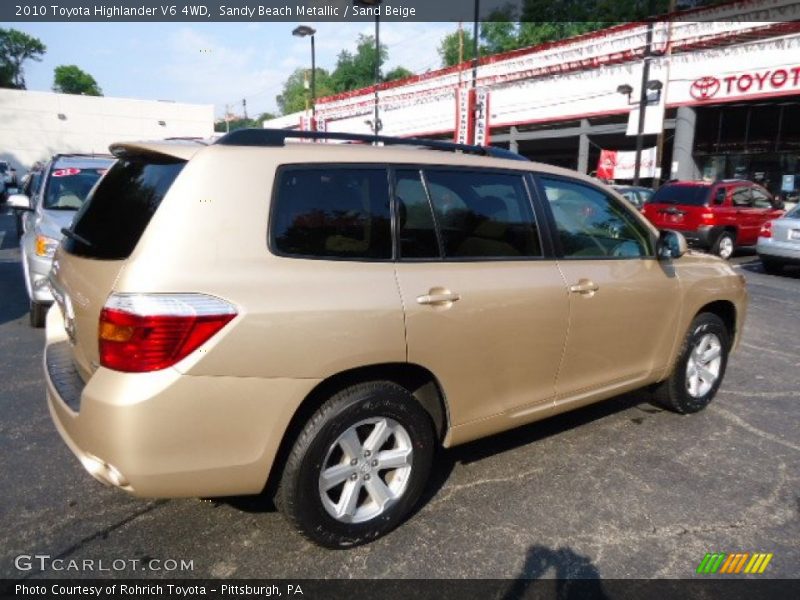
x: 702, y: 237
x: 165, y: 434
x: 786, y: 252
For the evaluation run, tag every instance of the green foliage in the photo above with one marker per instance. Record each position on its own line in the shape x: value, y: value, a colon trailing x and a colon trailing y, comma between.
x: 69, y: 79
x: 354, y: 71
x: 234, y: 124
x: 15, y: 48
x: 294, y: 96
x: 397, y: 73
x: 449, y: 48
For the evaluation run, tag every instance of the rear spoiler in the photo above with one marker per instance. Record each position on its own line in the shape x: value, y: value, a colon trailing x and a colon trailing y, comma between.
x: 182, y: 149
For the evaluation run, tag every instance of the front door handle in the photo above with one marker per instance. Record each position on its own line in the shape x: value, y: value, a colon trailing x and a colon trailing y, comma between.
x: 438, y: 297
x: 586, y: 287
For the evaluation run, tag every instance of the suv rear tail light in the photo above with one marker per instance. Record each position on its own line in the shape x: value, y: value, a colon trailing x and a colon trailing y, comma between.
x: 707, y: 218
x: 766, y: 230
x: 149, y: 332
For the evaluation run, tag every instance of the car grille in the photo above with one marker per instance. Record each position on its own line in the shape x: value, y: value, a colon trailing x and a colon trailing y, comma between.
x: 63, y: 374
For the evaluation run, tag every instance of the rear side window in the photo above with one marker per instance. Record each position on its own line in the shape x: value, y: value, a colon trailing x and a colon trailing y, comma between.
x: 332, y: 212
x: 117, y: 212
x: 483, y: 214
x: 694, y: 195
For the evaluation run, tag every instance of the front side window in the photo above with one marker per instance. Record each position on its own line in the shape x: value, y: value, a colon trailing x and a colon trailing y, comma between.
x: 590, y: 224
x: 761, y: 199
x: 332, y: 212
x: 482, y: 214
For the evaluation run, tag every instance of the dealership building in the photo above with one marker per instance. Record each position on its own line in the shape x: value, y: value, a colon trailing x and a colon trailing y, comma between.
x: 723, y: 86
x: 36, y: 125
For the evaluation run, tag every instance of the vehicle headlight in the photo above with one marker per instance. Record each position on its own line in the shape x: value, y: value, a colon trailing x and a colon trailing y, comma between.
x: 45, y: 246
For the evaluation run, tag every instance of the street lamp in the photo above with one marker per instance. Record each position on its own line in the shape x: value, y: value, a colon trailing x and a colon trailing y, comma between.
x: 376, y: 121
x: 302, y: 31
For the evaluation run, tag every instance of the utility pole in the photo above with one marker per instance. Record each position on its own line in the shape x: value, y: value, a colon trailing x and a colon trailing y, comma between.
x: 227, y: 118
x: 660, y: 137
x: 244, y: 108
x: 475, y: 32
x: 643, y: 102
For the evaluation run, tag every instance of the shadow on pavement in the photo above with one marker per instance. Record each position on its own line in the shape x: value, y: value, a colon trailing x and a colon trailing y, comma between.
x: 13, y: 299
x: 575, y: 576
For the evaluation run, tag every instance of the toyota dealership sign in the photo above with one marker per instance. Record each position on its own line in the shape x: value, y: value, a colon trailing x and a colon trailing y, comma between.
x: 764, y: 82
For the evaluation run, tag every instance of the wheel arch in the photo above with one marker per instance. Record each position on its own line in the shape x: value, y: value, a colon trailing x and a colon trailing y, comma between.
x: 419, y: 381
x: 725, y: 310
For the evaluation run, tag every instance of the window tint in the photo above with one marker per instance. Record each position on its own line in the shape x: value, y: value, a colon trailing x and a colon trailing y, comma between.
x: 719, y: 195
x: 415, y: 220
x: 591, y: 225
x: 116, y: 214
x: 761, y: 199
x: 333, y: 212
x: 695, y: 195
x: 742, y: 196
x: 483, y: 215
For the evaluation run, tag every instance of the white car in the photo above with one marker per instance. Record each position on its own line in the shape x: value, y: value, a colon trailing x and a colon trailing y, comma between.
x: 779, y: 242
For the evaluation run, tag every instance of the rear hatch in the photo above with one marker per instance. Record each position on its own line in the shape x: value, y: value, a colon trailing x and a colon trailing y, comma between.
x: 104, y: 234
x: 787, y: 229
x: 679, y: 206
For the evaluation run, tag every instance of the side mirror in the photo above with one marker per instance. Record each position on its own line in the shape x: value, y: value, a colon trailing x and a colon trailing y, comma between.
x: 671, y: 244
x: 19, y: 201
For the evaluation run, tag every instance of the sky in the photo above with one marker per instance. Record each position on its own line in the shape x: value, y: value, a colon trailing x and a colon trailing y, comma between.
x: 213, y: 63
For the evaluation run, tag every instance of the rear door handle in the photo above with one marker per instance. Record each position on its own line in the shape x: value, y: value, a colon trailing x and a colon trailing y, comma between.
x: 584, y: 286
x: 437, y: 297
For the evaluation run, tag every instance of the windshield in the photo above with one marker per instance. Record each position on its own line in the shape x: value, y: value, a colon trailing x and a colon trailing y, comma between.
x: 694, y: 195
x: 68, y: 187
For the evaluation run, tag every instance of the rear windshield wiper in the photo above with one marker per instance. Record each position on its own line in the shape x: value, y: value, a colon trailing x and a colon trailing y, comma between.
x: 74, y: 236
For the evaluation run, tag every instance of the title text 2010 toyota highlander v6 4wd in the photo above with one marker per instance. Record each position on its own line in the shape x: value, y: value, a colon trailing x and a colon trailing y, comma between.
x: 324, y: 316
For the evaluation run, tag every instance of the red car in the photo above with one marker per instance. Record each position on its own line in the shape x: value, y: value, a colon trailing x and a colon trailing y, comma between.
x: 715, y: 216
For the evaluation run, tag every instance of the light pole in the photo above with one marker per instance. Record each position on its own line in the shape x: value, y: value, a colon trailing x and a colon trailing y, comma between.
x: 376, y: 121
x: 302, y: 31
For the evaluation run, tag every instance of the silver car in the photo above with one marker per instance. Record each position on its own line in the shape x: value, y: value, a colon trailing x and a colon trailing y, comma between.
x: 779, y: 242
x: 66, y: 182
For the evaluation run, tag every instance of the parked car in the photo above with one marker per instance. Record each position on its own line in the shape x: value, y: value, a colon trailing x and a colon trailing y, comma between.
x: 636, y: 195
x: 779, y: 242
x: 715, y: 216
x: 5, y: 180
x: 65, y: 182
x: 319, y: 320
x: 29, y: 187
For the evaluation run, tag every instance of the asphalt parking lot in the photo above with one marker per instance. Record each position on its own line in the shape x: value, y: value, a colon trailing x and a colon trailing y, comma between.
x: 616, y: 490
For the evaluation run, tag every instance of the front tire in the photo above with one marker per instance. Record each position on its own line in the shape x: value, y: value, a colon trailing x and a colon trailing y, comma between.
x: 359, y: 466
x: 700, y: 368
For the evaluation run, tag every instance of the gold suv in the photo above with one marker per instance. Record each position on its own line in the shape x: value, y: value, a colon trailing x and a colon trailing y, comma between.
x: 315, y: 319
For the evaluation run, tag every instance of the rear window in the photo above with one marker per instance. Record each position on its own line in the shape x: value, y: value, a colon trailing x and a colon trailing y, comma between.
x: 694, y: 195
x: 67, y: 187
x: 114, y: 217
x: 332, y: 212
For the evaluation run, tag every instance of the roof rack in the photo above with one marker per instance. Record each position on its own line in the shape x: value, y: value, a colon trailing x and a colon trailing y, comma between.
x: 278, y: 137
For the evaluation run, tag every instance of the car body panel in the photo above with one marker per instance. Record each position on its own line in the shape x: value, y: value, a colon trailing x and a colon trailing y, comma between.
x: 784, y: 241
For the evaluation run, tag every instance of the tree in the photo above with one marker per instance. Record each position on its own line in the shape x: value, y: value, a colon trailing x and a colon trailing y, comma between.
x: 452, y: 48
x: 357, y: 70
x: 15, y: 48
x: 294, y: 96
x: 69, y: 79
x: 397, y: 73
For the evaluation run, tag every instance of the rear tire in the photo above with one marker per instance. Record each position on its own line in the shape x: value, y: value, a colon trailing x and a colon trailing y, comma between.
x: 333, y: 488
x: 724, y: 245
x: 772, y: 266
x: 38, y: 314
x: 699, y: 369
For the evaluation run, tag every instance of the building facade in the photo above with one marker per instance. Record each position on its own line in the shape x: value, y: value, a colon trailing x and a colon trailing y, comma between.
x: 723, y: 87
x: 35, y: 125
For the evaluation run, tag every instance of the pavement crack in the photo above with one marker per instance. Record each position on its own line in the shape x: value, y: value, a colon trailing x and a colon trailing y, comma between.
x: 754, y: 430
